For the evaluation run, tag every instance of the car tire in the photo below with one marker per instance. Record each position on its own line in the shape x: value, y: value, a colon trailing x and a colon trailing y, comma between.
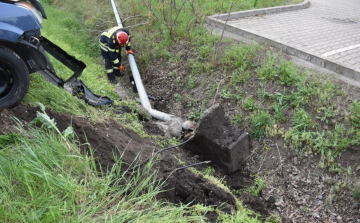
x: 14, y: 78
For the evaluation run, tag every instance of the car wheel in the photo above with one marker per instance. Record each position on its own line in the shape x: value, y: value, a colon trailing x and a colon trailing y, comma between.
x: 14, y: 78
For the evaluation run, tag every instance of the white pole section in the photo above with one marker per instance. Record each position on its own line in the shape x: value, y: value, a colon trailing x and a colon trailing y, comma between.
x: 142, y: 92
x: 117, y: 17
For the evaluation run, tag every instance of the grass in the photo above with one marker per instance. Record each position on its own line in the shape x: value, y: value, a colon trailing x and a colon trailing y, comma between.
x: 259, y: 112
x: 356, y: 193
x: 258, y: 186
x: 308, y: 98
x: 44, y: 91
x: 309, y: 106
x: 43, y: 176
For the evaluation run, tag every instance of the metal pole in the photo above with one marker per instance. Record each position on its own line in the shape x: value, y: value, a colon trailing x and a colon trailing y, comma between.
x: 142, y: 92
x: 117, y: 17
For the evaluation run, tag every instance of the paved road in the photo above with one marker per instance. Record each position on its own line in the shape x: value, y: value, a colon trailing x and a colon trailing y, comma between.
x: 325, y: 32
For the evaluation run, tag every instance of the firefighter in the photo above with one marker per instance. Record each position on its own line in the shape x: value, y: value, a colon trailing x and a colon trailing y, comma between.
x: 111, y: 42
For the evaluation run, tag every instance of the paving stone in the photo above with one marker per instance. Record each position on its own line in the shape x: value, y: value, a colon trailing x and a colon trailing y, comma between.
x: 326, y: 32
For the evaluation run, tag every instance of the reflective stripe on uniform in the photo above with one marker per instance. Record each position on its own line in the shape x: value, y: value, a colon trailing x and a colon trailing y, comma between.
x: 108, y: 71
x: 115, y: 61
x: 103, y: 46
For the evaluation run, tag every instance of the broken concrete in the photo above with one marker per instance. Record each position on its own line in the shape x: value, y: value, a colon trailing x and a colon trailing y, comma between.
x: 171, y: 128
x: 217, y: 140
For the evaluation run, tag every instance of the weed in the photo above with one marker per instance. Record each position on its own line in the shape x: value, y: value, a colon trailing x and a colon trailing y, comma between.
x: 356, y: 193
x: 192, y: 101
x: 199, y: 209
x: 274, y: 68
x: 274, y: 130
x: 240, y: 76
x: 208, y: 171
x: 249, y: 103
x: 269, y: 69
x: 225, y: 93
x: 213, y: 89
x: 329, y: 144
x: 178, y: 81
x: 257, y: 187
x: 302, y: 120
x: 289, y: 73
x: 300, y: 139
x: 295, y: 99
x: 338, y: 140
x: 177, y: 97
x: 355, y: 113
x: 326, y: 91
x: 305, y: 209
x: 191, y: 83
x: 328, y: 114
x: 171, y: 73
x: 238, y: 117
x: 162, y: 51
x: 259, y: 122
x: 205, y: 51
x: 305, y: 94
x: 176, y: 58
x: 278, y: 110
x: 195, y: 67
x: 263, y: 94
x: 241, y: 56
x: 196, y: 114
x: 273, y: 218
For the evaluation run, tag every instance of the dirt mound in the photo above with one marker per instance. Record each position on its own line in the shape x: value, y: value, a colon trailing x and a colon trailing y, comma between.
x: 109, y: 137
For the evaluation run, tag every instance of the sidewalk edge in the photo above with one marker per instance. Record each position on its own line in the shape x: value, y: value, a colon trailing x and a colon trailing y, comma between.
x: 256, y: 12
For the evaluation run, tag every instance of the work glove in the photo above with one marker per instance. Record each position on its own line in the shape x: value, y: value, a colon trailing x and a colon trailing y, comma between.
x: 130, y: 51
x: 121, y: 68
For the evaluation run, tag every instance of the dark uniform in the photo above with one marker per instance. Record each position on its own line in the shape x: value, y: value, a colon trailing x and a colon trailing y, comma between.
x: 111, y: 51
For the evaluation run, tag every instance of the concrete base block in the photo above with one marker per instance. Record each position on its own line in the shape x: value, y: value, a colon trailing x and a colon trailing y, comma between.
x: 217, y: 140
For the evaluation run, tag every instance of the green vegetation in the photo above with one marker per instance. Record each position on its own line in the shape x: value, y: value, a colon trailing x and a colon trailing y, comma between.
x: 43, y: 177
x: 259, y: 185
x: 177, y: 97
x: 357, y: 193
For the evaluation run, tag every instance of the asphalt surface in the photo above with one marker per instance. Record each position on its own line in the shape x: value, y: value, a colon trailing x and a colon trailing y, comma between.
x: 325, y: 33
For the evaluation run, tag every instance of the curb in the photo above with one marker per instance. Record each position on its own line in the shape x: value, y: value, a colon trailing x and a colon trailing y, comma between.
x: 219, y: 23
x: 257, y: 12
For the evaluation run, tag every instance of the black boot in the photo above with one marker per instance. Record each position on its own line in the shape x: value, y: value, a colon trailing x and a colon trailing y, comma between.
x: 111, y: 78
x: 118, y: 73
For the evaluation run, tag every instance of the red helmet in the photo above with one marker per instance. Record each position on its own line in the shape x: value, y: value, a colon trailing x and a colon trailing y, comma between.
x: 122, y: 38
